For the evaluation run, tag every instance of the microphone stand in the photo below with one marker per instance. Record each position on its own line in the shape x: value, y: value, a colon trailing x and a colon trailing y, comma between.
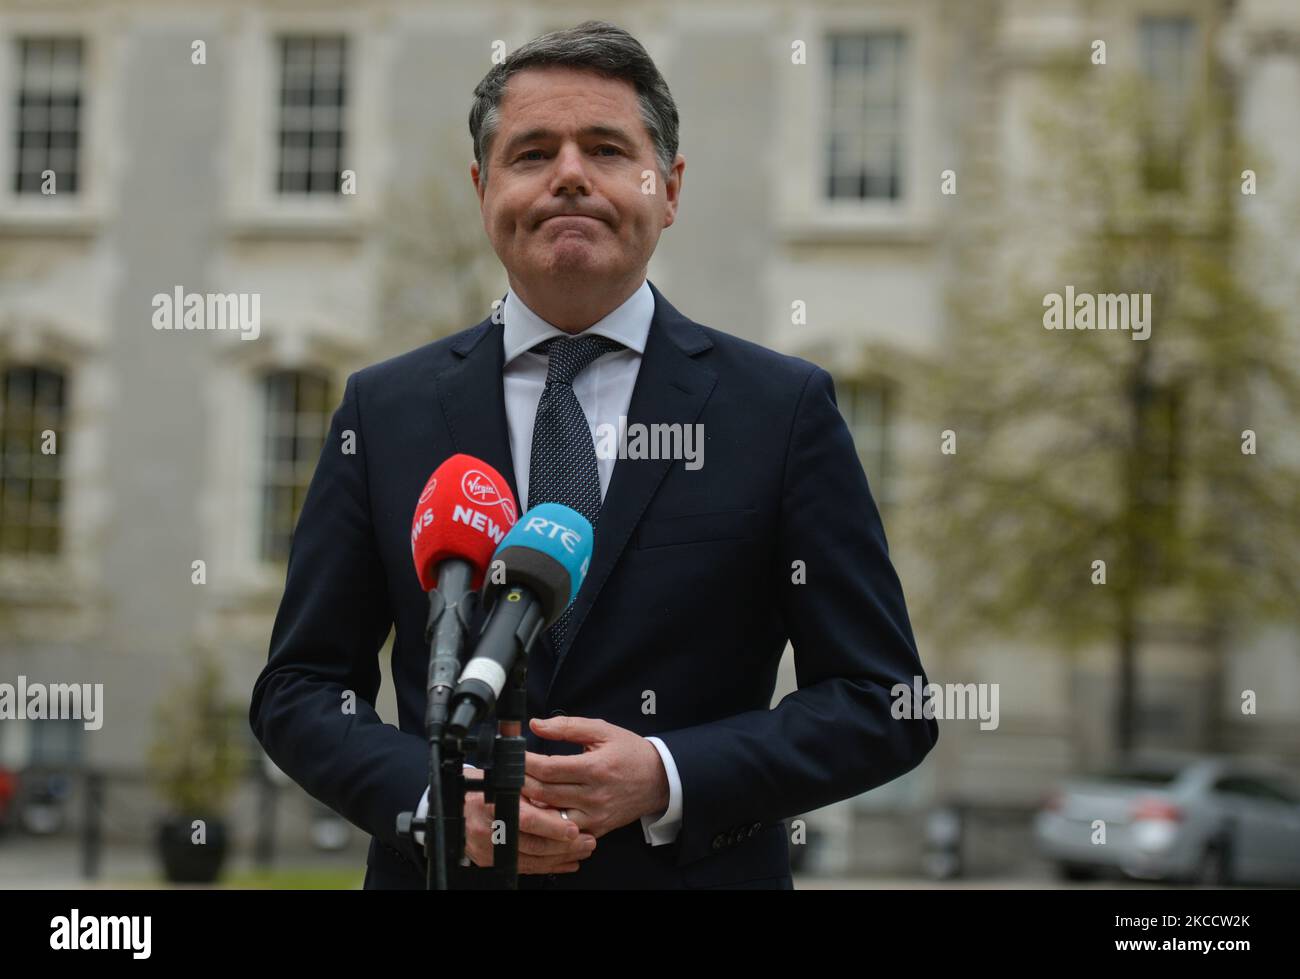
x: 502, y: 782
x: 505, y: 780
x: 445, y: 632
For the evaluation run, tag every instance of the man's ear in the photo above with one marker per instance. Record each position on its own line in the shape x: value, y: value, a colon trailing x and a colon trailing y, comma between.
x: 673, y: 189
x: 479, y: 185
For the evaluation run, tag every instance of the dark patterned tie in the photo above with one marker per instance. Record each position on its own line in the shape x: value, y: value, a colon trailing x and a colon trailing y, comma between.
x: 562, y: 468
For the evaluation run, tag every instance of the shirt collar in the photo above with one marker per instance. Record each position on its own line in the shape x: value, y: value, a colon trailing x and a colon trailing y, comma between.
x: 629, y: 324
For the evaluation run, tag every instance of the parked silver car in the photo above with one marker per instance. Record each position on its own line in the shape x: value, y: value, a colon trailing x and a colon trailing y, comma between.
x: 1211, y: 820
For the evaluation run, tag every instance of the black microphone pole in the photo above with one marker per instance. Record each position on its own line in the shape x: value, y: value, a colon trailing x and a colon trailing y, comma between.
x: 508, y: 751
x: 515, y: 622
x: 451, y: 608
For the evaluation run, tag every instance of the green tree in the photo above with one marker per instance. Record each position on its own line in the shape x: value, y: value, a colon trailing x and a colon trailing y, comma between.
x: 1081, y: 446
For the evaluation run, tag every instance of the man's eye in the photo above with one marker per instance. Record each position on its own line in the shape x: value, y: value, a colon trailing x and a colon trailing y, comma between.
x: 530, y: 155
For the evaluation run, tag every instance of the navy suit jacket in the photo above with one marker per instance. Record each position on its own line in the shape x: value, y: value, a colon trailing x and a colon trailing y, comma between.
x: 692, y: 593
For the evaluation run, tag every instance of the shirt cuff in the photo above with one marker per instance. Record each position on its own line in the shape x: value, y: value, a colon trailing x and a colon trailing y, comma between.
x: 664, y: 828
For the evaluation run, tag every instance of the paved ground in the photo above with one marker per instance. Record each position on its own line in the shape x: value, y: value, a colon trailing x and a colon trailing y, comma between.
x: 45, y: 864
x: 987, y: 883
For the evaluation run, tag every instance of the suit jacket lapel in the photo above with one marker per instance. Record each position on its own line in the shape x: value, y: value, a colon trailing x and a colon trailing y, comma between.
x: 671, y: 388
x: 472, y: 396
x: 477, y: 421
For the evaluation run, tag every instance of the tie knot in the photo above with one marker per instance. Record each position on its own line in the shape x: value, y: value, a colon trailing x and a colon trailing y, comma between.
x: 568, y: 356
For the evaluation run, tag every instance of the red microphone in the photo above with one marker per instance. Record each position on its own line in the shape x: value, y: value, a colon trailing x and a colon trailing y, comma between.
x: 463, y: 513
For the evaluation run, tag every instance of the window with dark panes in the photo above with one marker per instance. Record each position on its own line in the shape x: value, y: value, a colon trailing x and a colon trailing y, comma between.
x: 313, y: 76
x: 31, y: 448
x: 1167, y: 47
x: 864, y: 148
x: 298, y: 408
x: 867, y: 407
x: 48, y: 116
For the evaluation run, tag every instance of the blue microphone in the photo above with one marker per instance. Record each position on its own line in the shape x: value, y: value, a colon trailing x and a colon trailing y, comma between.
x: 533, y: 577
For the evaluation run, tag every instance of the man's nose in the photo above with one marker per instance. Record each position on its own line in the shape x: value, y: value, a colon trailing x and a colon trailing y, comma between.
x: 570, y: 171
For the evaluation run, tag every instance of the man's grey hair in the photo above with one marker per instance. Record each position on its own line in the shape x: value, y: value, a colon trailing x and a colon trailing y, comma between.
x: 591, y: 46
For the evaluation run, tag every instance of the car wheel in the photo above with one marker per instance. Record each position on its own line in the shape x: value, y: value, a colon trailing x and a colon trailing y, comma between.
x: 1214, y: 868
x: 1076, y: 871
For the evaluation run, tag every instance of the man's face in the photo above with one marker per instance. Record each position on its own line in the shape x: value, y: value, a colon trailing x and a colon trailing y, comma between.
x: 567, y: 195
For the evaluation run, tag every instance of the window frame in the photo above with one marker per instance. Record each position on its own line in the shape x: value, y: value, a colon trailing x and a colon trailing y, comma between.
x: 99, y: 160
x: 265, y: 555
x: 253, y: 205
x: 898, y: 135
x: 68, y: 180
x: 59, y: 529
x: 849, y: 390
x: 344, y: 148
x: 1194, y: 88
x: 803, y: 212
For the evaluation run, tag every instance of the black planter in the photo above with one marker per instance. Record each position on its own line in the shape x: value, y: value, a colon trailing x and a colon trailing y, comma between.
x: 185, y: 862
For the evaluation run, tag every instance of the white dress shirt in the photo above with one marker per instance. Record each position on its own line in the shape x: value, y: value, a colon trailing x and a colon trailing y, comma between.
x: 604, y: 390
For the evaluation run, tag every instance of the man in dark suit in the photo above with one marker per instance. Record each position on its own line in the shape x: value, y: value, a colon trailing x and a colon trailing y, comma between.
x: 655, y: 757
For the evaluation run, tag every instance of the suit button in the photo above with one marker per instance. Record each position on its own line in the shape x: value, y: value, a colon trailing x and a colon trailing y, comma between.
x: 754, y: 829
x: 558, y: 713
x: 719, y: 842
